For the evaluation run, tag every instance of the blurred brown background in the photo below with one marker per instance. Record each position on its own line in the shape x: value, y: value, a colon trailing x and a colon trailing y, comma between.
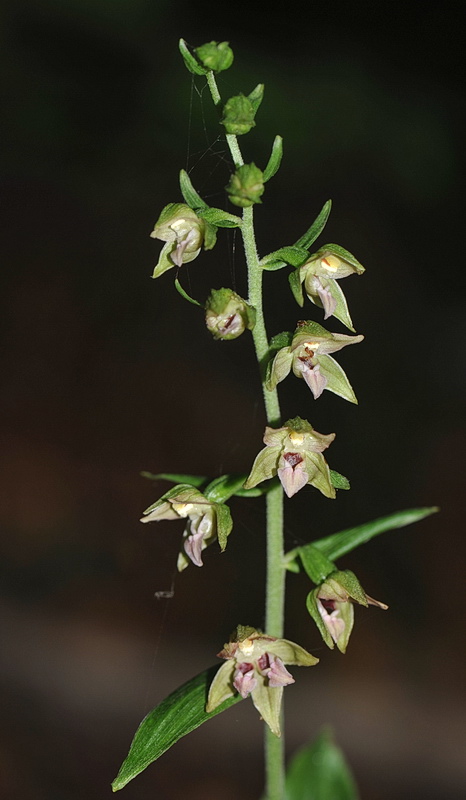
x: 105, y: 373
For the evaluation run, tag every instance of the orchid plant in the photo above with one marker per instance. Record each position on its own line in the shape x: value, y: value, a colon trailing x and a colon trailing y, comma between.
x: 256, y: 661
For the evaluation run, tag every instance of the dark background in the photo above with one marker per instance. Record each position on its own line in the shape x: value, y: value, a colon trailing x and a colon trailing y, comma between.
x: 105, y: 373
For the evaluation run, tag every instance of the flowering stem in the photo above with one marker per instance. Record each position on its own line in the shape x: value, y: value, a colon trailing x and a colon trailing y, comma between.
x: 275, y: 588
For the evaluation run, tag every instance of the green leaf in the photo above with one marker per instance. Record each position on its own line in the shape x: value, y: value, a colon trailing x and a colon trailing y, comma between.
x: 275, y: 159
x: 220, y: 489
x: 224, y: 524
x: 258, y: 491
x: 184, y: 294
x: 218, y: 217
x: 339, y: 481
x: 319, y: 772
x: 285, y: 255
x: 179, y: 714
x: 315, y: 563
x: 343, y: 542
x: 192, y: 480
x: 294, y: 279
x: 191, y: 197
x: 316, y: 228
x: 280, y: 340
x: 256, y: 97
x: 190, y: 61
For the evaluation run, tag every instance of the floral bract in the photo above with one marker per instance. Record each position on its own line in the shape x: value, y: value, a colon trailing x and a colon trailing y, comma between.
x: 255, y: 665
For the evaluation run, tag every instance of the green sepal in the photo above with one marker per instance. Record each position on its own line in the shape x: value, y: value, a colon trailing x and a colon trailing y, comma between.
x: 338, y: 544
x: 190, y: 480
x: 176, y: 716
x: 190, y: 61
x: 351, y: 585
x: 224, y: 524
x: 256, y: 96
x: 296, y: 287
x: 317, y: 566
x: 210, y: 233
x: 337, y: 380
x: 215, y: 56
x: 220, y: 218
x: 313, y: 610
x: 273, y: 164
x: 308, y: 238
x: 185, y: 295
x: 339, y: 481
x: 285, y: 255
x: 278, y: 368
x: 319, y: 772
x: 220, y: 489
x: 191, y: 197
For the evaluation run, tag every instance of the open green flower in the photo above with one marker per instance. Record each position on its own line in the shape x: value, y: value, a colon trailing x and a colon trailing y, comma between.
x: 331, y: 607
x: 206, y: 521
x: 255, y: 665
x: 308, y: 357
x: 184, y: 233
x: 294, y: 453
x: 320, y: 275
x: 228, y: 315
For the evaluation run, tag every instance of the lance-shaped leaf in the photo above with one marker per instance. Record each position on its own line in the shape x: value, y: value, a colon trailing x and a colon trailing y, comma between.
x: 219, y: 218
x: 256, y: 96
x: 179, y: 714
x: 172, y: 477
x: 338, y: 544
x: 319, y: 772
x: 221, y: 489
x: 185, y: 295
x: 295, y: 256
x: 275, y: 159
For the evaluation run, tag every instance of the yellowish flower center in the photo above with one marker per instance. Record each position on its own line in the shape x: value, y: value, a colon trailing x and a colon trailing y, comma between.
x: 246, y: 647
x: 312, y: 345
x: 330, y: 263
x: 296, y: 438
x: 182, y: 509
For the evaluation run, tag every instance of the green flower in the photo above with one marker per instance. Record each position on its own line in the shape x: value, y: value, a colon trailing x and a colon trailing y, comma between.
x: 320, y: 275
x: 331, y: 607
x: 308, y: 357
x: 184, y: 233
x: 255, y: 665
x: 294, y: 453
x: 206, y: 521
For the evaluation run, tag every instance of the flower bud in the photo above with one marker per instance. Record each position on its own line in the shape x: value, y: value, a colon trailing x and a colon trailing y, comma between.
x: 246, y: 186
x: 238, y: 115
x: 215, y: 56
x: 184, y: 233
x: 227, y: 314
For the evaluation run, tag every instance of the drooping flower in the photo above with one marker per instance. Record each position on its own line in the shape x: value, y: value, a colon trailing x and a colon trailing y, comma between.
x: 184, y: 233
x: 320, y: 275
x: 228, y: 315
x: 294, y: 453
x: 206, y: 521
x: 331, y: 607
x: 255, y: 665
x: 308, y: 357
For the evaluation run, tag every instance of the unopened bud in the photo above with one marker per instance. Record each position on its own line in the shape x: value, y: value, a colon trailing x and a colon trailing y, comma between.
x: 246, y: 186
x: 215, y: 56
